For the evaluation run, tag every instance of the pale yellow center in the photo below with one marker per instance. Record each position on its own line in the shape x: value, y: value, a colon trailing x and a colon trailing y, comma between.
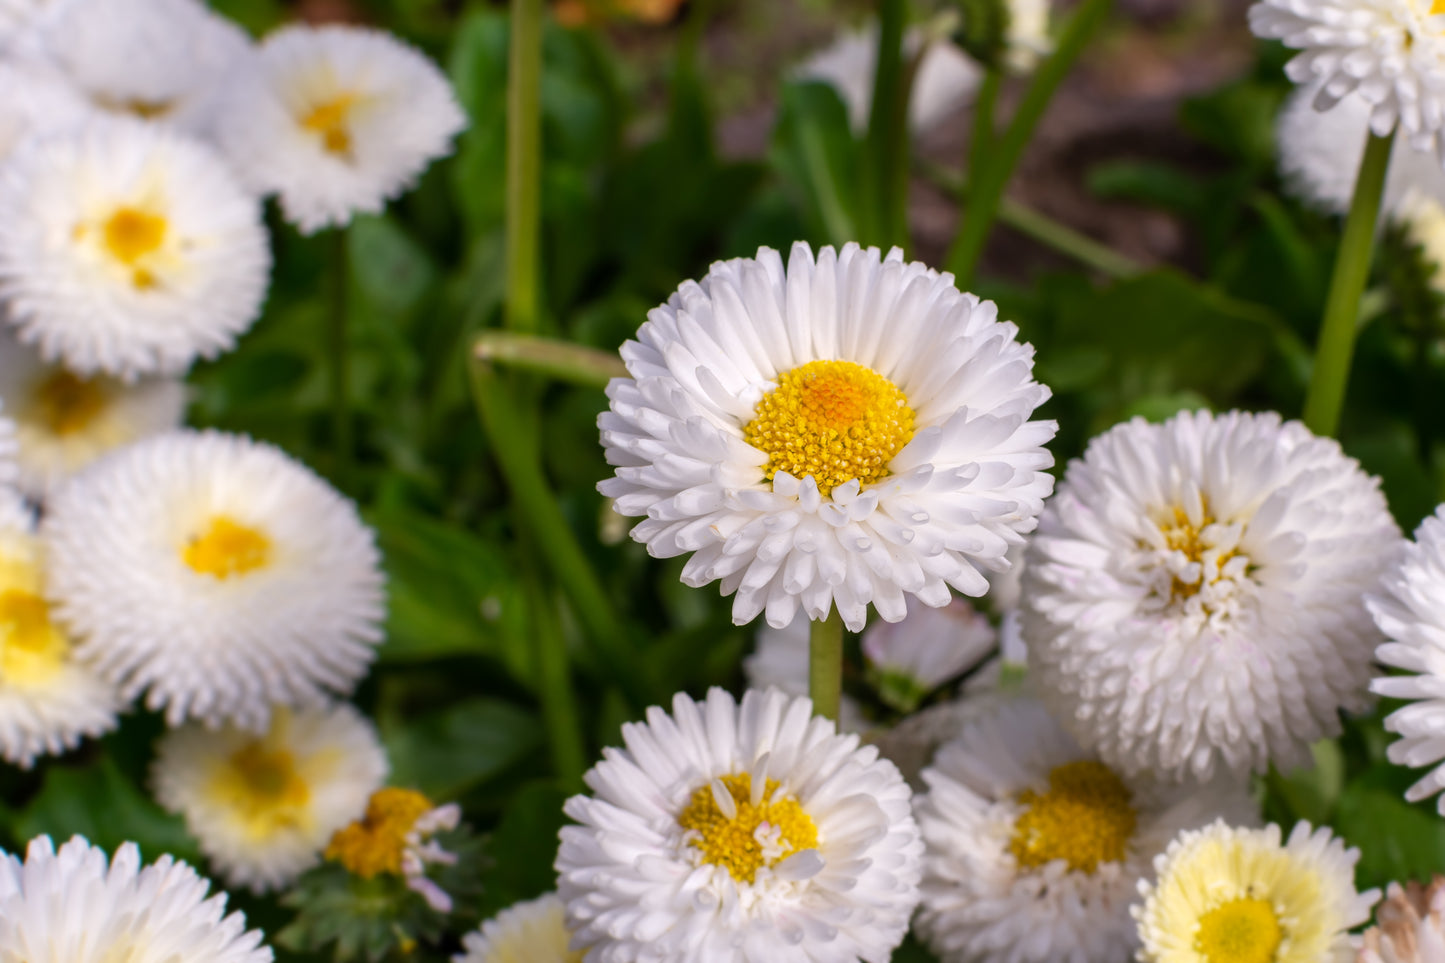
x: 131, y: 235
x: 32, y: 649
x: 136, y: 106
x: 834, y: 420
x: 1085, y: 818
x: 375, y: 843
x: 1182, y: 535
x: 1241, y: 931
x: 757, y: 834
x: 66, y: 404
x: 331, y: 121
x: 262, y: 789
x: 227, y: 548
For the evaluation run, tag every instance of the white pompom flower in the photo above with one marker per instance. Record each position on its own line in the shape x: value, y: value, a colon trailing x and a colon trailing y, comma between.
x: 337, y: 120
x: 217, y: 575
x: 842, y: 430
x: 729, y: 833
x: 263, y: 807
x: 1242, y: 894
x: 1035, y: 849
x: 128, y: 249
x: 530, y: 932
x: 1194, y: 596
x: 38, y: 101
x: 1409, y: 925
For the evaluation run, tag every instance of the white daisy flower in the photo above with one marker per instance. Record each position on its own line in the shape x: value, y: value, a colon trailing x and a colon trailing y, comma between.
x: 740, y: 834
x: 64, y: 422
x: 1409, y: 925
x: 75, y: 906
x: 1239, y: 894
x: 908, y: 660
x: 530, y: 932
x: 1027, y: 34
x: 1194, y: 596
x: 1035, y: 848
x: 49, y: 700
x: 395, y: 836
x: 15, y: 17
x: 37, y: 101
x: 128, y: 249
x: 263, y: 807
x: 1390, y: 52
x: 217, y: 574
x: 337, y: 121
x: 838, y: 431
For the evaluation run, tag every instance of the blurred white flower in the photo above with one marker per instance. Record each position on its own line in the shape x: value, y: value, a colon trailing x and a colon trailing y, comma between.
x: 1028, y: 34
x: 37, y: 101
x: 530, y: 932
x: 1409, y: 925
x: 909, y: 659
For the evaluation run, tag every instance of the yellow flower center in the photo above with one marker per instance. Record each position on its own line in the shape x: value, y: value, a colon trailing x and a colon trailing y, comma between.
x: 131, y: 235
x: 1085, y: 818
x: 834, y: 420
x: 743, y: 833
x: 262, y: 788
x: 227, y: 548
x: 1182, y: 535
x: 374, y: 844
x: 32, y: 649
x: 1438, y: 7
x: 330, y: 120
x: 1241, y: 931
x: 66, y: 404
x: 136, y: 106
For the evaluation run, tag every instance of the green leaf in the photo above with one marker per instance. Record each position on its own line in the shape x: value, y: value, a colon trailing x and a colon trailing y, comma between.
x: 446, y: 753
x: 815, y: 151
x: 523, y: 848
x: 1397, y: 841
x: 912, y: 952
x: 391, y: 271
x: 1311, y: 792
x: 1155, y: 184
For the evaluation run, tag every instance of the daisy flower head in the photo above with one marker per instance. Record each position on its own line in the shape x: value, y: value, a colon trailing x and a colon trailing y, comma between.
x: 1422, y: 218
x: 128, y: 249
x: 843, y: 429
x: 394, y: 837
x: 909, y: 659
x: 1035, y: 848
x: 1226, y: 893
x: 262, y: 806
x: 37, y: 101
x: 530, y: 932
x: 217, y: 575
x: 77, y: 906
x: 337, y: 121
x: 64, y: 421
x: 1409, y: 925
x: 740, y: 833
x: 1194, y: 596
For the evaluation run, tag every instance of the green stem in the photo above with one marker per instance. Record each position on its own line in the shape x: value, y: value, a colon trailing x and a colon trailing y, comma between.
x: 524, y: 164
x: 339, y: 280
x: 558, y: 360
x: 554, y: 679
x: 1326, y: 395
x: 990, y: 182
x: 885, y: 151
x: 825, y: 665
x: 981, y: 144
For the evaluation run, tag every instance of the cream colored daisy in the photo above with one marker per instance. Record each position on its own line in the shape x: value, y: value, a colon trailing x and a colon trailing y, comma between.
x: 530, y: 932
x: 263, y: 807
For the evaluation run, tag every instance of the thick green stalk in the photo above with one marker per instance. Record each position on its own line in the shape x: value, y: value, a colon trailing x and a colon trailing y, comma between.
x: 339, y: 280
x: 558, y: 360
x: 989, y: 183
x: 524, y: 164
x: 1326, y: 395
x: 885, y: 151
x: 825, y: 665
x: 980, y: 146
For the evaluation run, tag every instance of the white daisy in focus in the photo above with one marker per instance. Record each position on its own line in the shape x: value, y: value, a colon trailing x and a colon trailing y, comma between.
x: 216, y: 574
x: 1035, y: 848
x: 908, y: 660
x: 263, y: 807
x: 337, y: 121
x: 530, y: 932
x: 75, y: 906
x: 1409, y: 925
x: 731, y: 833
x: 1194, y: 596
x: 780, y: 660
x: 49, y: 700
x: 37, y: 101
x: 64, y: 422
x: 128, y: 249
x: 394, y: 837
x: 839, y: 431
x: 1389, y: 52
x: 1225, y: 893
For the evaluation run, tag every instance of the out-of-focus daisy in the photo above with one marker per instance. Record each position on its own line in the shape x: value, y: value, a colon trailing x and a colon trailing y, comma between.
x: 1194, y: 596
x: 837, y: 431
x: 15, y: 17
x: 1225, y: 893
x: 262, y: 807
x: 337, y: 121
x: 1035, y: 848
x: 64, y: 421
x: 395, y: 837
x: 48, y: 699
x: 37, y: 101
x: 1422, y: 218
x: 75, y: 906
x: 530, y: 932
x: 730, y: 833
x: 128, y: 249
x: 907, y: 660
x: 1027, y: 35
x: 1409, y: 925
x: 216, y: 574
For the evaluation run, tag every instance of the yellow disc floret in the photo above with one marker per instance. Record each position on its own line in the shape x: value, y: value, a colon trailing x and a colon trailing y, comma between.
x: 743, y: 834
x: 374, y: 844
x: 32, y: 648
x: 1183, y: 535
x: 227, y: 548
x: 1240, y: 931
x: 330, y: 120
x: 65, y: 404
x: 132, y: 235
x: 1085, y: 818
x: 833, y: 420
x: 262, y: 788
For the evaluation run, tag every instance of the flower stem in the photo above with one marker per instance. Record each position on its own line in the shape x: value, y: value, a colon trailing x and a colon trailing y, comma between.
x: 524, y: 164
x: 1326, y: 395
x: 885, y: 151
x: 559, y: 360
x: 554, y: 682
x: 825, y: 665
x: 339, y: 278
x: 981, y: 144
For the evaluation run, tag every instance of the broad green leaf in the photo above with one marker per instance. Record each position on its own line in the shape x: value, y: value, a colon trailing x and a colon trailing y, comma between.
x: 816, y: 152
x: 1397, y: 841
x: 523, y: 847
x: 446, y: 753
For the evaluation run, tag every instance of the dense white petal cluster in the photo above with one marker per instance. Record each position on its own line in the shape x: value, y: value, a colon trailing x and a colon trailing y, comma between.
x: 750, y: 833
x: 37, y: 101
x: 939, y: 391
x: 530, y: 932
x: 1409, y: 925
x: 929, y: 646
x: 337, y: 121
x: 75, y: 906
x: 1035, y: 850
x: 128, y: 249
x: 1194, y: 596
x: 216, y: 574
x: 263, y: 807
